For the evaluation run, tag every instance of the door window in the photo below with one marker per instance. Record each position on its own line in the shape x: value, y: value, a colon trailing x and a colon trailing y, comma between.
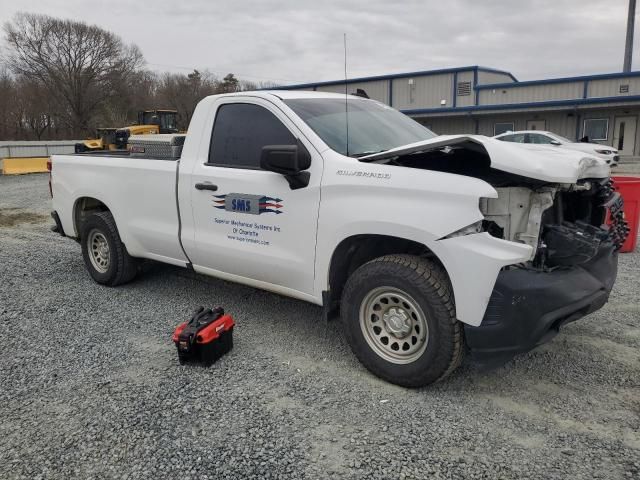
x: 240, y: 131
x: 624, y: 135
x: 620, y: 145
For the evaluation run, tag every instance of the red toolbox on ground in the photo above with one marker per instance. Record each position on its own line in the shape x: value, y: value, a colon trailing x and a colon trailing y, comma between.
x: 204, y: 338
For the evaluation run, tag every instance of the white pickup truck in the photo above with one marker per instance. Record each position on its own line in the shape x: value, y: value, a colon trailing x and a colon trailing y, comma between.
x: 428, y: 245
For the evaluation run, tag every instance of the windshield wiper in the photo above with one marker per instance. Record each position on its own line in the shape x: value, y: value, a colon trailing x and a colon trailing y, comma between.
x: 364, y: 154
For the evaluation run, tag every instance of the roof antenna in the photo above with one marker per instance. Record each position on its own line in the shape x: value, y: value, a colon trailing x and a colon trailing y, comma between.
x: 346, y: 98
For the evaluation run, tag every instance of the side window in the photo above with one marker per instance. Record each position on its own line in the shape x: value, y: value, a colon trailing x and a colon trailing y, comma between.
x: 539, y: 139
x: 517, y: 138
x: 240, y: 130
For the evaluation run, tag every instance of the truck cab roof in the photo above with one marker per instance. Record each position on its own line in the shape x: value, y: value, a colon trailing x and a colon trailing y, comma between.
x: 285, y: 94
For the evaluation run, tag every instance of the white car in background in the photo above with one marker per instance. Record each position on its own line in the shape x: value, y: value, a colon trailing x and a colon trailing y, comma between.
x: 539, y: 137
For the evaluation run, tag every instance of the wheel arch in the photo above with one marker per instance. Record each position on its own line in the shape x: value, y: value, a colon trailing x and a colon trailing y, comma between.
x: 85, y: 206
x: 356, y: 250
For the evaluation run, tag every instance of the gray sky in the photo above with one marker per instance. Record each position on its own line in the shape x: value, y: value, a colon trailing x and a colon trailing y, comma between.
x: 292, y: 41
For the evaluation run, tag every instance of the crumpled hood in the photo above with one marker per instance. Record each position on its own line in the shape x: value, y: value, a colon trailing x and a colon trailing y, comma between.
x: 549, y: 164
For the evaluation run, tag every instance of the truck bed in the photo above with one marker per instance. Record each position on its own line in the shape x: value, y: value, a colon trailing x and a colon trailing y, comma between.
x: 139, y: 191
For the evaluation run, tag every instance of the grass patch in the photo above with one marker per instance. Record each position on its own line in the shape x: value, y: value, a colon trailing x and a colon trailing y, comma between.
x: 10, y: 217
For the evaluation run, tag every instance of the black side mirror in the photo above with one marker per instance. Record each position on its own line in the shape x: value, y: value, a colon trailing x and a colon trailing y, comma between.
x: 288, y: 160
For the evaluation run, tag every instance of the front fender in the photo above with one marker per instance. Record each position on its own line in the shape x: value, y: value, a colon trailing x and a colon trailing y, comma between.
x: 422, y: 206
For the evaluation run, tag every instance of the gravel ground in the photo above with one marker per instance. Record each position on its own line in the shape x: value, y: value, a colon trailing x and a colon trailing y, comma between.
x: 91, y: 386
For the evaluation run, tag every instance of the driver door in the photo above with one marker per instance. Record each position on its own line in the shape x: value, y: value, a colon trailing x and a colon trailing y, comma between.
x: 249, y: 223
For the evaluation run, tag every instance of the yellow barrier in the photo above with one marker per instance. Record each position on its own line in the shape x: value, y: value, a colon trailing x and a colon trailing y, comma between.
x: 17, y: 166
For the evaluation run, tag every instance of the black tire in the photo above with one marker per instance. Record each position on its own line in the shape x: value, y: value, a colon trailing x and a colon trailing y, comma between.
x: 426, y: 286
x: 120, y: 267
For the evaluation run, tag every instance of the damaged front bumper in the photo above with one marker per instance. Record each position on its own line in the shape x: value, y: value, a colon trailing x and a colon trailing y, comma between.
x: 528, y: 307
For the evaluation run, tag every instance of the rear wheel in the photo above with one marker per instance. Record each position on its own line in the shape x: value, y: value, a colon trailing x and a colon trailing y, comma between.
x: 399, y: 319
x: 105, y: 256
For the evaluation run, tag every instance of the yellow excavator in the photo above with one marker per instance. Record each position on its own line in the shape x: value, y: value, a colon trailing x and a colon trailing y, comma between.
x: 149, y: 122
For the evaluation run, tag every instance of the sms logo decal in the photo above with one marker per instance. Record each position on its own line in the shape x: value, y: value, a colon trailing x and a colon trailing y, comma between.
x: 245, y: 203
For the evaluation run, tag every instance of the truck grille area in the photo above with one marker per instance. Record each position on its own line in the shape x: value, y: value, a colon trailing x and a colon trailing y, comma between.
x: 580, y: 224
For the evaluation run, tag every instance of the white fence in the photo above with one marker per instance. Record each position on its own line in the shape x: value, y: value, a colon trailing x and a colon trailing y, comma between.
x: 13, y: 149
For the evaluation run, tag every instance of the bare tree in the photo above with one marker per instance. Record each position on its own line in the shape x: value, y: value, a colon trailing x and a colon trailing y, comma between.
x: 245, y: 85
x: 36, y: 107
x: 79, y: 65
x: 61, y: 79
x: 8, y: 123
x: 137, y: 93
x: 183, y: 92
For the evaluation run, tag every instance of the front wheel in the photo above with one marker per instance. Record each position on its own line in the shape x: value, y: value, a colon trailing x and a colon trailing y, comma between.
x: 105, y: 256
x: 399, y: 318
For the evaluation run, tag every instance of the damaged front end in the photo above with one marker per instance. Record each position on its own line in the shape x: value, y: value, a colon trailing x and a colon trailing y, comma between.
x: 567, y: 212
x: 572, y: 270
x: 566, y: 225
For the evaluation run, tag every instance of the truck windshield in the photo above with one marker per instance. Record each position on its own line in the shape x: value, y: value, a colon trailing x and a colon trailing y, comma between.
x: 373, y: 127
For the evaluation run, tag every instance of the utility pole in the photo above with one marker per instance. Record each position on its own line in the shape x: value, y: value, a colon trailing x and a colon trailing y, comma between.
x: 628, y: 49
